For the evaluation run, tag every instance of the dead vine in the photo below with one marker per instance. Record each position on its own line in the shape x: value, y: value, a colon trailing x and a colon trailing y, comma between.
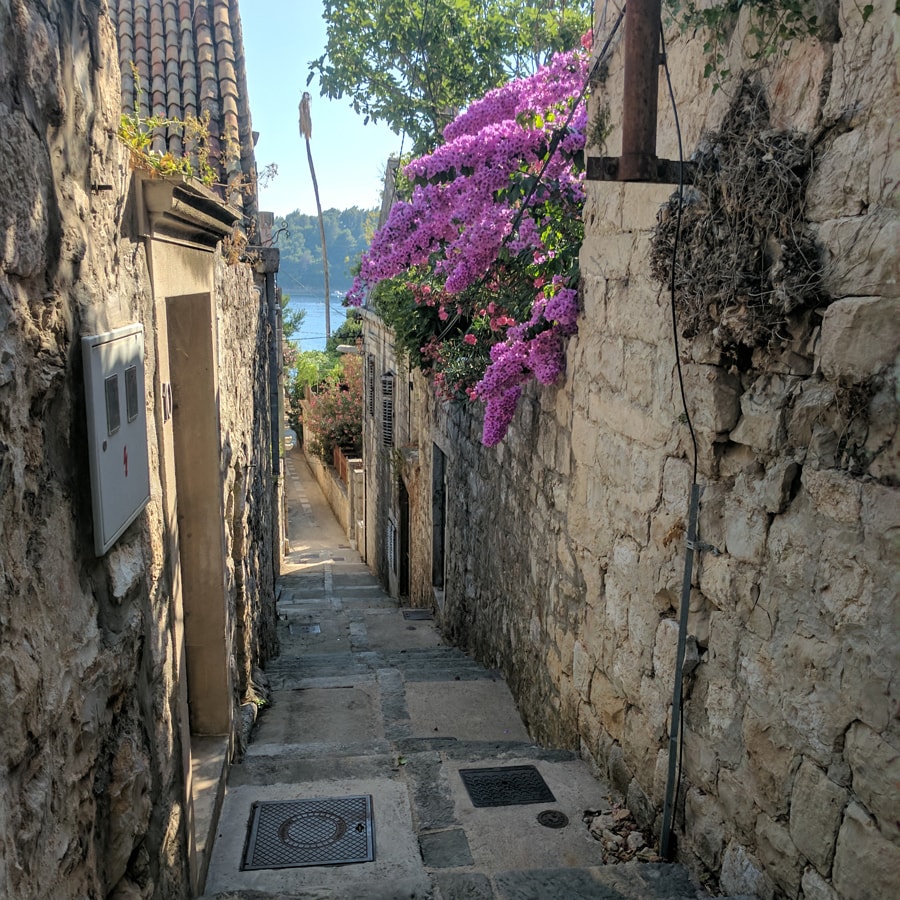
x: 746, y: 258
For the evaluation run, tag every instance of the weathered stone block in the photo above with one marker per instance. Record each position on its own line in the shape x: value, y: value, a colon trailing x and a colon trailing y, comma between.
x: 643, y: 736
x: 126, y: 567
x: 778, y: 855
x: 746, y: 530
x: 639, y: 360
x: 129, y: 805
x: 860, y: 254
x: 608, y: 254
x: 737, y: 806
x: 582, y: 669
x: 24, y: 187
x: 664, y: 648
x: 778, y: 485
x: 771, y: 763
x: 639, y: 804
x: 815, y: 887
x: 865, y: 864
x: 717, y: 578
x: 609, y: 362
x: 742, y: 874
x: 875, y: 765
x: 860, y: 335
x: 631, y: 422
x: 701, y: 758
x: 714, y: 397
x: 839, y: 185
x: 880, y: 512
x: 762, y: 412
x: 610, y: 704
x: 834, y: 494
x: 705, y: 827
x: 812, y: 408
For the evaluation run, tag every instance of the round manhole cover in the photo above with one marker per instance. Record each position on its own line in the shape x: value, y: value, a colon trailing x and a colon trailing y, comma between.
x: 311, y: 830
x: 553, y: 818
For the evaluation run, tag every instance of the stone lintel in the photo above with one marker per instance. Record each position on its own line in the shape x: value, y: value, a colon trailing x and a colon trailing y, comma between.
x: 182, y: 210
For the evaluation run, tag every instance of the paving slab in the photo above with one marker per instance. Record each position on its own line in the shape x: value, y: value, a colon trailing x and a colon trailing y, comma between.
x: 397, y: 870
x: 468, y: 710
x: 329, y: 714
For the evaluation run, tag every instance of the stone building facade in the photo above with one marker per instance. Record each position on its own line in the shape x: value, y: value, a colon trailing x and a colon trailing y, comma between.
x: 126, y: 674
x: 558, y: 555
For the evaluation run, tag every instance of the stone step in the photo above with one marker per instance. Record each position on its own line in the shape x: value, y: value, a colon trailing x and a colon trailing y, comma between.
x: 433, y: 664
x: 627, y: 881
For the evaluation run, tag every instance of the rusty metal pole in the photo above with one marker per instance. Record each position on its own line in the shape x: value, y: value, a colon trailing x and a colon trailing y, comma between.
x: 638, y: 160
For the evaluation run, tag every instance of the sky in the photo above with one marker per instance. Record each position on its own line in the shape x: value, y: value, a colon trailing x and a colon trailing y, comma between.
x: 280, y: 38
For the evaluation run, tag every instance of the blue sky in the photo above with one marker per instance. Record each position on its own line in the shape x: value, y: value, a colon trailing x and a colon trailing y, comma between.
x: 280, y: 38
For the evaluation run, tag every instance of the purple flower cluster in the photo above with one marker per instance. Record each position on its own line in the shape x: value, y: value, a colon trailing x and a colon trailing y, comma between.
x: 466, y: 207
x: 458, y: 210
x: 498, y: 413
x: 534, y: 348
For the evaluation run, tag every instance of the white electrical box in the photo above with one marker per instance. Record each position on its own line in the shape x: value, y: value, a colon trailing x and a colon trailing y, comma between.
x: 117, y: 430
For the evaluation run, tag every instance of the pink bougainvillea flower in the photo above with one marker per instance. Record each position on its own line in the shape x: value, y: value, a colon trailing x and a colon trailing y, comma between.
x: 476, y: 220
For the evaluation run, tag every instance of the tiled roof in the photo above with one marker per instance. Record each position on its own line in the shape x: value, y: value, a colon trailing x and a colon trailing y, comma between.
x: 182, y: 58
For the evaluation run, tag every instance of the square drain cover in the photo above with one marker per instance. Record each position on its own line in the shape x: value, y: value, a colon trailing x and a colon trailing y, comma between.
x: 506, y: 786
x: 418, y: 614
x: 332, y: 831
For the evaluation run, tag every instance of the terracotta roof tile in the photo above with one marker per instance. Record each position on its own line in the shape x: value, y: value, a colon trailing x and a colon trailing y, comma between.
x: 189, y: 60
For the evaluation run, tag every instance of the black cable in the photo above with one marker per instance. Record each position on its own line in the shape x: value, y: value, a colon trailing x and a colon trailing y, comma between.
x: 664, y: 851
x: 675, y: 243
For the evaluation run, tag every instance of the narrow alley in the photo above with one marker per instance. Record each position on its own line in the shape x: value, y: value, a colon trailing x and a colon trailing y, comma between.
x: 368, y: 702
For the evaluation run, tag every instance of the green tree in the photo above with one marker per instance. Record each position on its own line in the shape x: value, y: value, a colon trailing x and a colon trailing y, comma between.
x: 334, y: 412
x: 416, y: 63
x: 347, y: 233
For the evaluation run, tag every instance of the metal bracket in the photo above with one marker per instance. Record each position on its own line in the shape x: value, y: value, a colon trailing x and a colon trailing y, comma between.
x: 665, y: 171
x: 703, y: 547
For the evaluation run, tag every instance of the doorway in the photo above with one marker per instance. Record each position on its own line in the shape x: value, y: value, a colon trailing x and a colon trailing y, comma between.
x: 200, y: 514
x: 403, y: 588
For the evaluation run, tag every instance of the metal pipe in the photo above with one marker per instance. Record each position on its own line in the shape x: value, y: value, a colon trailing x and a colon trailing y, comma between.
x: 665, y: 835
x: 641, y: 91
x: 276, y: 411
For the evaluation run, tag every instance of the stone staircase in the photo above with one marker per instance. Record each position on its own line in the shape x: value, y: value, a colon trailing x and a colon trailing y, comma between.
x: 367, y: 702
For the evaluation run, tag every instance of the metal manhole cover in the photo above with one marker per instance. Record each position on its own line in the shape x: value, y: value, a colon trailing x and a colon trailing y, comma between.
x: 331, y: 831
x: 418, y: 614
x: 553, y: 818
x: 506, y: 786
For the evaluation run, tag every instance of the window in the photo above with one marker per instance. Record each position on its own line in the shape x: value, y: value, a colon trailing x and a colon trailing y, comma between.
x: 113, y: 416
x: 387, y: 409
x: 131, y: 393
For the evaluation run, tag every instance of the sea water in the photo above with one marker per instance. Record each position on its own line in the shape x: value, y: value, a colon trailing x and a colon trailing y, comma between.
x: 312, y: 332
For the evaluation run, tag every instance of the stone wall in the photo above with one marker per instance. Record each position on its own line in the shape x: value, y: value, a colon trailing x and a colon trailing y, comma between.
x: 93, y: 743
x: 250, y: 490
x: 565, y: 544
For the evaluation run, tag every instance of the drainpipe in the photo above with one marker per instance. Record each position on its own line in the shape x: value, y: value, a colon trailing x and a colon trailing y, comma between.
x: 665, y: 835
x: 275, y: 412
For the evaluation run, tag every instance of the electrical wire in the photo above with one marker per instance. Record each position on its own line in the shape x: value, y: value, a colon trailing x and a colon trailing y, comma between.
x: 679, y: 723
x: 675, y: 242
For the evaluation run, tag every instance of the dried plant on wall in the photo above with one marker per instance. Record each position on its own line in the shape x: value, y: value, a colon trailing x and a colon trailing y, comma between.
x: 746, y: 258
